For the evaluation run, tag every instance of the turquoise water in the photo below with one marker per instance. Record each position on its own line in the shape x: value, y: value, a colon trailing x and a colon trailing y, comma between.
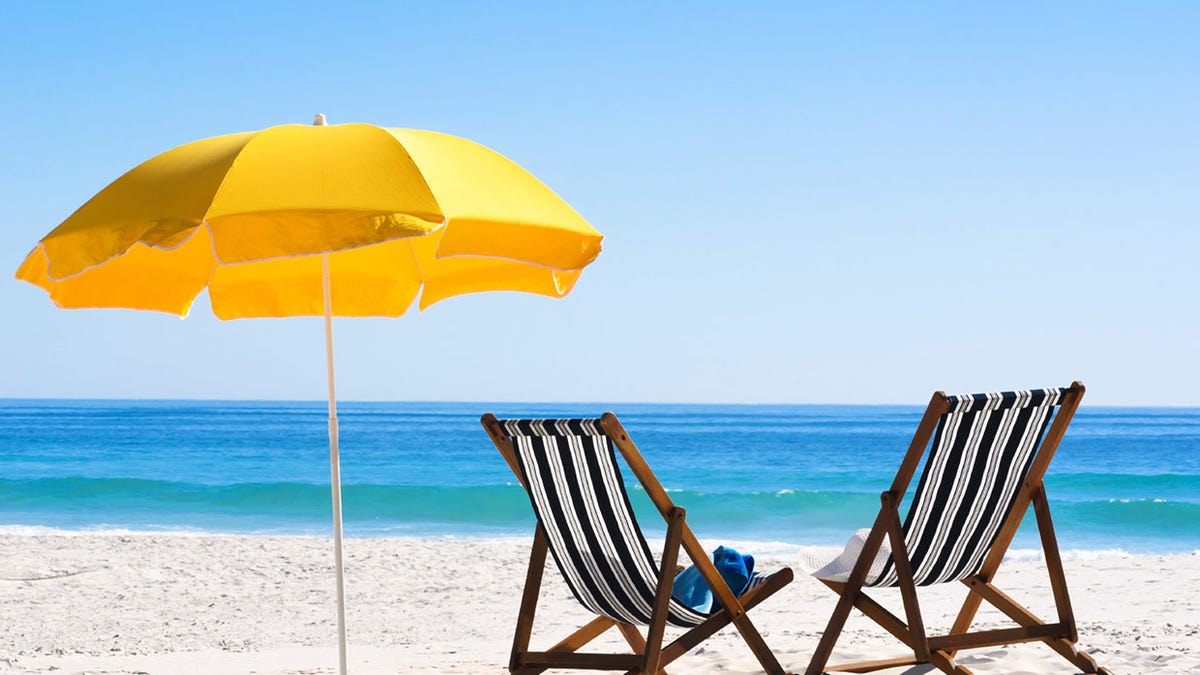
x: 1126, y: 478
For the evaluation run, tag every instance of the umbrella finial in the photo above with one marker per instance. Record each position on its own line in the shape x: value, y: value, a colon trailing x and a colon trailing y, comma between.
x: 319, y: 120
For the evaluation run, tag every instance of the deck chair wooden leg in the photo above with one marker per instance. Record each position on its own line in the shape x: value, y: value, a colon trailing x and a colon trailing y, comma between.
x: 1058, y: 578
x: 877, y: 613
x: 904, y: 574
x: 753, y: 639
x: 899, y: 630
x: 970, y: 607
x: 573, y: 642
x: 529, y: 599
x: 1023, y: 617
x: 633, y: 636
x: 982, y: 589
x: 966, y: 614
x: 851, y: 590
x: 730, y: 604
x: 637, y: 642
x: 590, y: 631
x: 533, y: 581
x: 833, y: 629
x: 1058, y: 581
x: 686, y: 642
x: 733, y: 608
x: 662, y: 597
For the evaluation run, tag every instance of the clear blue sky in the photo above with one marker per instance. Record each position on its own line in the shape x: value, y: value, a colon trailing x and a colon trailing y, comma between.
x: 836, y: 202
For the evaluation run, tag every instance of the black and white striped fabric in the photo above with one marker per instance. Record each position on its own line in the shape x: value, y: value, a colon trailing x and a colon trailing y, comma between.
x: 981, y: 451
x: 575, y: 486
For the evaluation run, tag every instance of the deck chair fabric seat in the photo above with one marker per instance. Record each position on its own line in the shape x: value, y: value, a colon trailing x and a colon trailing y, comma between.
x: 982, y: 450
x: 580, y: 500
x: 987, y: 456
x: 569, y: 470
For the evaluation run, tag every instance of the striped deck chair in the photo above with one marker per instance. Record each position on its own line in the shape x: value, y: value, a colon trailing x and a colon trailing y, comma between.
x: 570, y: 471
x: 989, y: 455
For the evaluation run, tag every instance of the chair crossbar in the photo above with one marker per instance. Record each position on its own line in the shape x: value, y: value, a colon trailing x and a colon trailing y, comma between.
x: 583, y: 660
x: 872, y: 666
x: 999, y: 636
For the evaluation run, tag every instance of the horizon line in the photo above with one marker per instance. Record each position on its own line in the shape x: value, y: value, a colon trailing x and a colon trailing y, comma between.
x: 148, y: 399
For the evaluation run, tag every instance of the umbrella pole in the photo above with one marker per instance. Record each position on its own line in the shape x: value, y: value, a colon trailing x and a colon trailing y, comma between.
x: 335, y: 472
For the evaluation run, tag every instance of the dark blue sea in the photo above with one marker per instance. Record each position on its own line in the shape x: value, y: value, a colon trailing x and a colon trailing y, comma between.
x: 1124, y: 478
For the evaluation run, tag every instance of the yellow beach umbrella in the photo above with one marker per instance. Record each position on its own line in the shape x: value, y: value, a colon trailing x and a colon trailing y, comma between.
x: 297, y: 220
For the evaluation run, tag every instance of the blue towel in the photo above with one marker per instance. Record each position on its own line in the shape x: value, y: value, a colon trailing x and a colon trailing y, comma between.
x: 735, y: 569
x: 690, y: 588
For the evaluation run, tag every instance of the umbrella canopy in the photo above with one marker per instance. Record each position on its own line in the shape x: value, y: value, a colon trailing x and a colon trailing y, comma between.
x: 294, y: 220
x: 247, y: 216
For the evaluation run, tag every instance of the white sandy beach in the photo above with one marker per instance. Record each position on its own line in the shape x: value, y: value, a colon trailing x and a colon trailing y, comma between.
x: 141, y: 603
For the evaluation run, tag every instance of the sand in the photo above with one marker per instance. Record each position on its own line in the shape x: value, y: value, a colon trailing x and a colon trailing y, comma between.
x: 148, y: 603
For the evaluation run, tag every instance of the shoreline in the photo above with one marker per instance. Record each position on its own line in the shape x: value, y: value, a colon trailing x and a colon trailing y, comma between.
x: 769, y: 548
x: 148, y: 602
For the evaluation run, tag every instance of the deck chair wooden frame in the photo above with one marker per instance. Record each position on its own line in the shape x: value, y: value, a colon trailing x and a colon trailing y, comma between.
x: 940, y: 651
x: 650, y: 655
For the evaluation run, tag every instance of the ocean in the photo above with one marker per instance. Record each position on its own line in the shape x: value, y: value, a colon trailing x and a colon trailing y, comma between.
x: 1124, y: 478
